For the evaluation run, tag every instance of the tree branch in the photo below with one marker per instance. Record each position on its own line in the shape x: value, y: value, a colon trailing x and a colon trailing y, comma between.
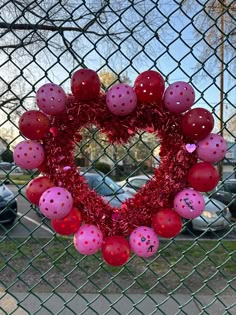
x: 53, y: 28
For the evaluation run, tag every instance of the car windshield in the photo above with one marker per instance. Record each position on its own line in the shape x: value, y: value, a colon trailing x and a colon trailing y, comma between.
x: 104, y: 186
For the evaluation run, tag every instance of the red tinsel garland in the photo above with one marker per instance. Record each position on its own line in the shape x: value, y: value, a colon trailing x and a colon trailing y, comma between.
x: 170, y: 176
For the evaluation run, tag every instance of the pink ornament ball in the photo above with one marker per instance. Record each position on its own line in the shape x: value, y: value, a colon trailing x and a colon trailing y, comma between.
x: 88, y: 239
x: 29, y: 154
x: 189, y: 203
x: 212, y: 149
x: 179, y: 97
x: 51, y: 99
x: 121, y: 99
x: 144, y: 241
x: 55, y: 203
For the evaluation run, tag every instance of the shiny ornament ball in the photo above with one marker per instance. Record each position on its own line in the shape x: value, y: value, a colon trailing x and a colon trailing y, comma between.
x: 121, y: 99
x: 51, y: 99
x: 34, y: 125
x: 197, y: 123
x: 116, y: 250
x: 37, y: 187
x: 88, y: 239
x: 149, y: 86
x: 189, y: 203
x: 203, y: 176
x: 166, y: 223
x: 69, y: 224
x: 55, y: 203
x: 144, y: 241
x: 179, y: 97
x: 85, y: 85
x: 29, y: 154
x: 212, y: 149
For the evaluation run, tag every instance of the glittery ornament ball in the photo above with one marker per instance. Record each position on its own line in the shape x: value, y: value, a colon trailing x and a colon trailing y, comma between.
x: 37, y: 187
x: 34, y: 125
x: 167, y: 223
x: 69, y: 224
x: 116, y: 250
x: 85, y: 85
x: 149, y: 86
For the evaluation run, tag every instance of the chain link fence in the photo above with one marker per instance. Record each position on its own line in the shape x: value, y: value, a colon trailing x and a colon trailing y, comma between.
x: 46, y: 41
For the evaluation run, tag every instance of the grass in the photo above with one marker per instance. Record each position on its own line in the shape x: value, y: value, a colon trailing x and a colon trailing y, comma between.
x: 17, y: 179
x: 179, y: 256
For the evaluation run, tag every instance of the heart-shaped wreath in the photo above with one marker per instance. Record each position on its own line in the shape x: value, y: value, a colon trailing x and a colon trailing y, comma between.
x: 158, y: 208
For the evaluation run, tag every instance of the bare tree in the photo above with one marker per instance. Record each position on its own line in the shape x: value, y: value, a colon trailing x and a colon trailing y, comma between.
x: 47, y: 40
x: 214, y: 26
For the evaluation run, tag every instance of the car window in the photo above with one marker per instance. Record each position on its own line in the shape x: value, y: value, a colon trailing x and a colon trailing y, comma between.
x: 138, y: 183
x: 230, y: 186
x: 103, y: 186
x: 5, y: 166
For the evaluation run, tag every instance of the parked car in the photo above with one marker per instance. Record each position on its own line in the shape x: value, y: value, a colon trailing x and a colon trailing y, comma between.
x: 216, y: 215
x: 229, y: 185
x: 8, y: 205
x: 106, y: 187
x: 225, y: 196
x: 16, y: 169
x: 135, y: 183
x: 5, y: 166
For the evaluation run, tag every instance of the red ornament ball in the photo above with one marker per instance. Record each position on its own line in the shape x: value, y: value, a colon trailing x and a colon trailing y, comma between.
x: 116, y: 250
x: 197, y: 123
x: 149, y: 86
x: 203, y: 176
x: 167, y: 223
x: 69, y: 224
x: 34, y: 125
x: 85, y: 85
x: 37, y: 187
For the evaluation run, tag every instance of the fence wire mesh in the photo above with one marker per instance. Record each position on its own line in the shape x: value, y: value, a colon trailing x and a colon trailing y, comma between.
x: 46, y: 41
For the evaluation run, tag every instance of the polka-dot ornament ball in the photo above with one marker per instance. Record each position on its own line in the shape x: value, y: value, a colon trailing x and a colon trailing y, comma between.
x: 179, y: 97
x: 88, y: 239
x: 212, y: 149
x: 197, y: 123
x: 34, y: 125
x: 51, y: 99
x: 55, y: 203
x: 144, y: 241
x: 189, y: 203
x: 121, y: 99
x: 29, y: 154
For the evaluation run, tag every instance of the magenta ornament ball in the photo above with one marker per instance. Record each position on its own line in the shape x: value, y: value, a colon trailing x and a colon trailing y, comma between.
x: 179, y: 97
x: 51, y: 99
x: 29, y: 154
x: 121, y: 99
x: 212, y: 149
x: 88, y: 239
x: 143, y: 241
x: 55, y: 203
x: 189, y: 203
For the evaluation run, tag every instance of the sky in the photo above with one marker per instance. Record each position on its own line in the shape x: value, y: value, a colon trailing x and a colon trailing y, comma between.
x: 173, y: 52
